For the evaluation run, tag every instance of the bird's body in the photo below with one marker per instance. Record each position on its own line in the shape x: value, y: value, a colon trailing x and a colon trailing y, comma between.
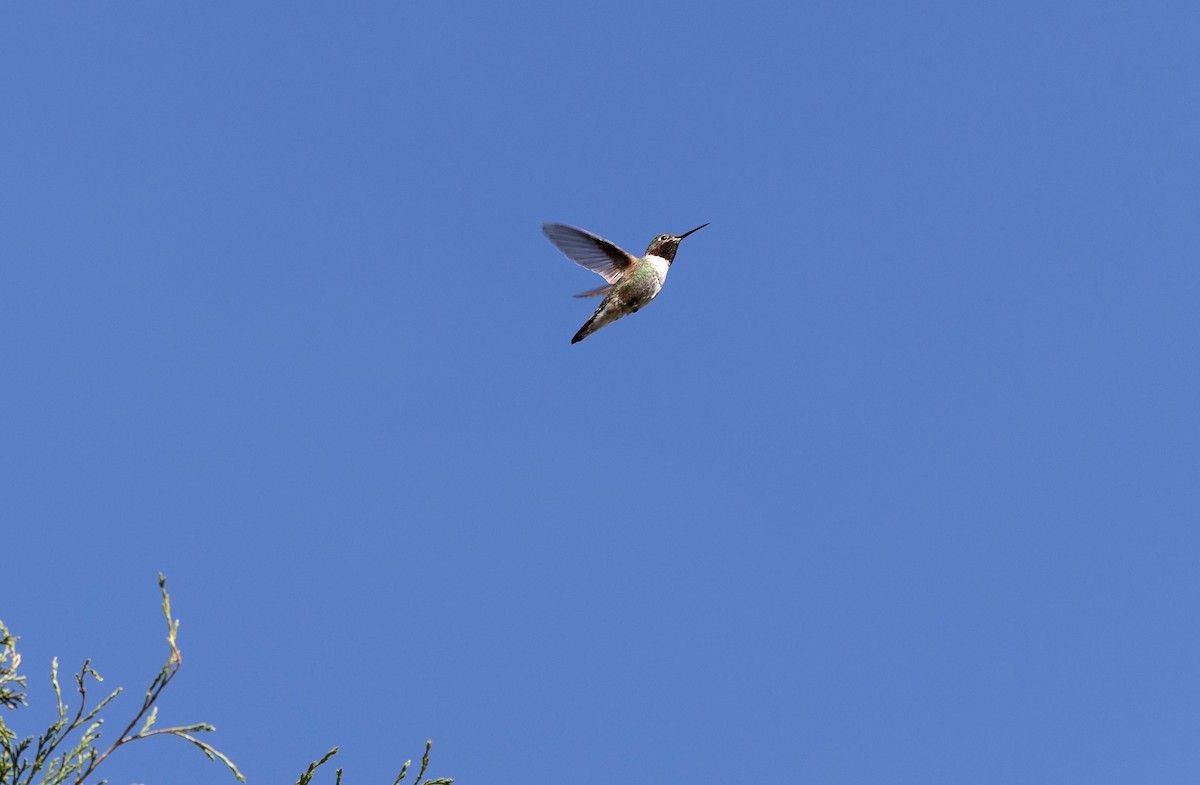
x: 632, y: 282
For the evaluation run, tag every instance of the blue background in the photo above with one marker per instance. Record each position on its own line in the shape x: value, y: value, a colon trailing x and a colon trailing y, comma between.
x: 895, y: 482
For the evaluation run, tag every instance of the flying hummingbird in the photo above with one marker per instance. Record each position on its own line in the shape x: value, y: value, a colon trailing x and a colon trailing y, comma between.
x: 632, y: 282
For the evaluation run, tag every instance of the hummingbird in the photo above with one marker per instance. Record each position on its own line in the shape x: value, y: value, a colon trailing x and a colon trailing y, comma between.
x: 632, y: 282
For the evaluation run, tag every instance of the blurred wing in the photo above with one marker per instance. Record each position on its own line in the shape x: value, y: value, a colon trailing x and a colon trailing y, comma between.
x: 597, y: 292
x: 586, y: 249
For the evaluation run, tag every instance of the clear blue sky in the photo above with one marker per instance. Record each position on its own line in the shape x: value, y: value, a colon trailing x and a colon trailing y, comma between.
x: 896, y: 482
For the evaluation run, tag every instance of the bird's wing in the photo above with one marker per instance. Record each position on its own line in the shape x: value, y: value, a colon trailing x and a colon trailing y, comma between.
x: 586, y: 249
x: 597, y: 292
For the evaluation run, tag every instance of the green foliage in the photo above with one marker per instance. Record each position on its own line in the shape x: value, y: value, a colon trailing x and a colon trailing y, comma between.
x: 55, y: 760
x: 11, y: 685
x: 306, y: 777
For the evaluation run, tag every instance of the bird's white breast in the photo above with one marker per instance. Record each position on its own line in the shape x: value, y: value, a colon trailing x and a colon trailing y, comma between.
x: 661, y: 267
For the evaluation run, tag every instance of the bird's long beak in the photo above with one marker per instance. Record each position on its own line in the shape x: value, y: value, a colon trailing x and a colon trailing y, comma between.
x: 698, y: 228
